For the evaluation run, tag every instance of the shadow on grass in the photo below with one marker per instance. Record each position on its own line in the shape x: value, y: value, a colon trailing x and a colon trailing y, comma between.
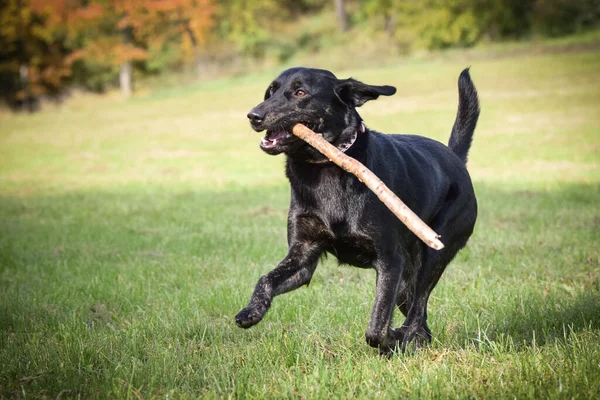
x: 544, y: 321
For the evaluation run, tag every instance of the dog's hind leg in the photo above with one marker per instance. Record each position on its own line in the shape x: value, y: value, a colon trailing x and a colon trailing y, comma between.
x: 434, y: 263
x: 295, y: 270
x: 404, y: 299
x: 415, y: 326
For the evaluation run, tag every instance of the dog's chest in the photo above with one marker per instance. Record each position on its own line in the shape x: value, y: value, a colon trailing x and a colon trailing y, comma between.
x: 337, y: 209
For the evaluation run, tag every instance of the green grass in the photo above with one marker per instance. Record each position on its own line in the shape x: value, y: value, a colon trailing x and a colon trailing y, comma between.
x: 131, y: 233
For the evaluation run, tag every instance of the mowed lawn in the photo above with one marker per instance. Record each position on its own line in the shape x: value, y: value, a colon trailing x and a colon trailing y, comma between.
x: 131, y: 233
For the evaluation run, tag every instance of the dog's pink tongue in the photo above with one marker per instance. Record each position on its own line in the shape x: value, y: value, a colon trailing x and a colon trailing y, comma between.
x: 278, y: 135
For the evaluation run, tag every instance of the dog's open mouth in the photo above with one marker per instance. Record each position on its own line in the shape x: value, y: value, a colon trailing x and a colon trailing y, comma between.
x: 273, y: 138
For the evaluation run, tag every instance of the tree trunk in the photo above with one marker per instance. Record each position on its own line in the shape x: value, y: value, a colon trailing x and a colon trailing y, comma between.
x: 390, y: 25
x: 126, y: 79
x: 195, y: 48
x: 126, y: 71
x: 341, y: 15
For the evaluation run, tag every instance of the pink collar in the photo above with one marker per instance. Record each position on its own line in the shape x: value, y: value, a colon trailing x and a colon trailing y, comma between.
x: 343, y: 148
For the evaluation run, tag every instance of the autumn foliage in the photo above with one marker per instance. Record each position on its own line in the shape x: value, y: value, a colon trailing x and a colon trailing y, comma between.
x: 46, y: 43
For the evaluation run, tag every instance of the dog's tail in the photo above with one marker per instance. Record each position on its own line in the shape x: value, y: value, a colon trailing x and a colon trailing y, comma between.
x: 466, y: 117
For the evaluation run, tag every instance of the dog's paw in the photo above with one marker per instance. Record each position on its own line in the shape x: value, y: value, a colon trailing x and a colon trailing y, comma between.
x: 389, y: 350
x: 412, y: 339
x: 247, y: 318
x: 385, y: 343
x: 251, y: 315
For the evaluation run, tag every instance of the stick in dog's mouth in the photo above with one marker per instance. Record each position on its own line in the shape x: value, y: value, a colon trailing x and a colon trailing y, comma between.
x: 349, y: 164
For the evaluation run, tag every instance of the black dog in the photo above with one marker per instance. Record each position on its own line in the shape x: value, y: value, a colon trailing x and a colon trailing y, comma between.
x: 332, y: 211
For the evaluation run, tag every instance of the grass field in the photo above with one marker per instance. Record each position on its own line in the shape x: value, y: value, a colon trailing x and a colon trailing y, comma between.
x: 133, y: 232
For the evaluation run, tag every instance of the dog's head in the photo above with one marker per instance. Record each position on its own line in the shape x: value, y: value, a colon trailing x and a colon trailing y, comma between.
x: 315, y: 98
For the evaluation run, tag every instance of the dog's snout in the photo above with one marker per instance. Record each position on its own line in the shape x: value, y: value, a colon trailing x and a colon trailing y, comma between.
x: 256, y: 117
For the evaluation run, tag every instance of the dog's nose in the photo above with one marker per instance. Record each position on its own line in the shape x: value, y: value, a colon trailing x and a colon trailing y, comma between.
x: 256, y: 117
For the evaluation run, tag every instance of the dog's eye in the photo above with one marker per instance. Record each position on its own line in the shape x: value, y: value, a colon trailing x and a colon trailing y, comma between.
x: 300, y: 93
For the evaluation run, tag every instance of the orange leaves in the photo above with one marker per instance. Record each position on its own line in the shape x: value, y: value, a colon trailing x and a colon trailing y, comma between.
x: 99, y: 51
x: 74, y: 56
x: 88, y: 40
x: 201, y: 18
x: 186, y: 17
x: 61, y: 12
x: 53, y: 74
x: 91, y: 12
x: 102, y: 28
x: 127, y: 6
x: 127, y: 52
x: 54, y: 9
x: 120, y: 30
x: 108, y: 51
x: 162, y: 5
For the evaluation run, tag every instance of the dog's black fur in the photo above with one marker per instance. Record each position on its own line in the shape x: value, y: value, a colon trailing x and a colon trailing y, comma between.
x: 331, y: 211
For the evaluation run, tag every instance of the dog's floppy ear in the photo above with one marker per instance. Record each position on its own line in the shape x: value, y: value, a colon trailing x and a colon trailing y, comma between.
x: 355, y: 93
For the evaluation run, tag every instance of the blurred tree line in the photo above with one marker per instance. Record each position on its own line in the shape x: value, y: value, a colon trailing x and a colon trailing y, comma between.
x: 46, y: 45
x: 438, y: 24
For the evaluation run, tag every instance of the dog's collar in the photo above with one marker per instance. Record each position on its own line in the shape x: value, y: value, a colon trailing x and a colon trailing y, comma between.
x: 344, y: 147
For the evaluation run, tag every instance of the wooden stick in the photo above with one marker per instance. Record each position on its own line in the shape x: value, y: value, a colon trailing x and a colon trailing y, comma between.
x: 349, y: 164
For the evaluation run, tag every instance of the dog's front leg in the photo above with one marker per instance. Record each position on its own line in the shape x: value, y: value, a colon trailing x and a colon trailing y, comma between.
x: 295, y: 270
x: 388, y: 280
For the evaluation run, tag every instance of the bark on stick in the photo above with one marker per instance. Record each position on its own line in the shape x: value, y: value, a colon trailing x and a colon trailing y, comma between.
x: 349, y: 164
